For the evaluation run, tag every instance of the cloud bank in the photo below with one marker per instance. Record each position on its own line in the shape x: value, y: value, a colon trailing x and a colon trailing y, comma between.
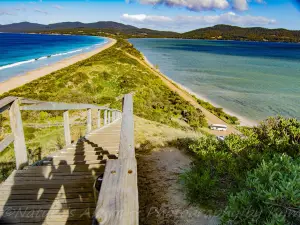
x: 197, y: 21
x: 200, y: 5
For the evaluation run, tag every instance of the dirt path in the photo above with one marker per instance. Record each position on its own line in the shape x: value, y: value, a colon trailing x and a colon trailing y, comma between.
x: 161, y: 196
x: 211, y: 118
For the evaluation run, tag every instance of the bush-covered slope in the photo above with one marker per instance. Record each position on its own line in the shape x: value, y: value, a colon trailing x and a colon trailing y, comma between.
x: 254, y: 175
x: 107, y: 75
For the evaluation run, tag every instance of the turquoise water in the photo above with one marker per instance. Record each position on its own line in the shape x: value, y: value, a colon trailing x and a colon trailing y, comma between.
x: 21, y: 53
x: 250, y: 79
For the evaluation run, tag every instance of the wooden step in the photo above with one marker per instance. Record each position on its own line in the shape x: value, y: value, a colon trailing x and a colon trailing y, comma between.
x: 72, y: 162
x: 45, y: 216
x: 62, y: 190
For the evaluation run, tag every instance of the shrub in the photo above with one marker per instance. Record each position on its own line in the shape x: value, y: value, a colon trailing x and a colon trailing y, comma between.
x: 223, y: 165
x: 271, y: 195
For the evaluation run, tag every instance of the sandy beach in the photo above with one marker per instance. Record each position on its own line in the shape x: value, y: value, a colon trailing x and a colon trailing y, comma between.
x: 18, y: 81
x: 243, y: 121
x: 211, y: 118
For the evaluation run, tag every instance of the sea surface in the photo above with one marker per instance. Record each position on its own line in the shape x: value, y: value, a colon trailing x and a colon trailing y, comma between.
x: 20, y: 53
x: 253, y: 80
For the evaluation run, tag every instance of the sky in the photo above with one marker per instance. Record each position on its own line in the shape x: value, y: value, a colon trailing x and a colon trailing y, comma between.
x: 175, y: 15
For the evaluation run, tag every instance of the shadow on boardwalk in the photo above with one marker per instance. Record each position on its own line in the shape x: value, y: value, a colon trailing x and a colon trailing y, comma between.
x: 59, y: 193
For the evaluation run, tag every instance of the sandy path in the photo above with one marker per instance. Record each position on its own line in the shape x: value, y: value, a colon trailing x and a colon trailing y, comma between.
x: 161, y: 196
x: 18, y: 81
x: 211, y: 118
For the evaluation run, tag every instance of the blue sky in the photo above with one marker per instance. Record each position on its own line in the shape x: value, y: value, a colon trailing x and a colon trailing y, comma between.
x: 178, y: 15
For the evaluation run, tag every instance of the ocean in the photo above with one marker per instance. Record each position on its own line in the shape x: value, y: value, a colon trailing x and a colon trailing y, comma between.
x: 253, y: 80
x: 21, y: 53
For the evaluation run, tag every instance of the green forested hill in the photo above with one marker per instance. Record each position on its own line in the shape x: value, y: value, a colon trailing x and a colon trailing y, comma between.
x: 226, y: 32
x: 218, y: 32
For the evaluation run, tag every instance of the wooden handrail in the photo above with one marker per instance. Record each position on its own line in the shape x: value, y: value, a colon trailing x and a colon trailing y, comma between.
x: 6, y: 142
x: 14, y: 106
x: 59, y: 106
x: 6, y: 102
x: 126, y: 149
x: 118, y: 198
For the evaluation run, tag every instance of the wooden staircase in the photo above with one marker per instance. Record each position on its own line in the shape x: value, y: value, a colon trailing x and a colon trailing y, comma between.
x: 63, y: 188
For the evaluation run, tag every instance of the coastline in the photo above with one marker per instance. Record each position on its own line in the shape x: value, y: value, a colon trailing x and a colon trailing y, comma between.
x: 18, y: 81
x: 243, y: 121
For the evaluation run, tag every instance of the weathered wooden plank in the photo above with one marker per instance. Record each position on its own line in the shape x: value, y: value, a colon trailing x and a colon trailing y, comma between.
x: 6, y: 142
x: 89, y: 121
x: 118, y: 199
x: 105, y: 117
x: 30, y: 101
x: 19, y: 139
x: 98, y: 118
x: 64, y: 168
x: 6, y: 102
x: 67, y: 128
x: 43, y: 216
x: 126, y: 149
x: 109, y: 117
x: 60, y: 106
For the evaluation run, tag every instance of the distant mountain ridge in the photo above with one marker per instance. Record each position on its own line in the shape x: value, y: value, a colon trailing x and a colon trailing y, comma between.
x: 218, y: 32
x: 26, y: 26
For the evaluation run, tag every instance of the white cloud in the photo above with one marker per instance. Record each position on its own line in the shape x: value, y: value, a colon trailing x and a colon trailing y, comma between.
x: 194, y: 5
x: 241, y: 5
x: 41, y: 11
x: 197, y: 21
x: 6, y: 13
x: 57, y: 6
x: 200, y: 5
x: 141, y: 18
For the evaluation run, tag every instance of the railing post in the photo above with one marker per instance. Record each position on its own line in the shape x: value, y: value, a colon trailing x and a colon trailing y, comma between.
x: 19, y: 139
x: 67, y: 128
x: 109, y: 113
x: 105, y: 117
x: 89, y: 120
x: 98, y: 118
x: 113, y: 115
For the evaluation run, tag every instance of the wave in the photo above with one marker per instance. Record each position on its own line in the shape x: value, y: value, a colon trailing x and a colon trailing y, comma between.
x: 16, y: 64
x: 38, y: 59
x: 50, y: 56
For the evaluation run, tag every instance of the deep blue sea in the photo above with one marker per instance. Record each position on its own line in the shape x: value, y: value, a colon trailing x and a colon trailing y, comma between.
x: 21, y: 53
x: 253, y: 80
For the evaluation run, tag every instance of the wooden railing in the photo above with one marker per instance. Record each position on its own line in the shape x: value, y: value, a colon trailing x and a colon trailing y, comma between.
x: 15, y: 105
x: 118, y: 198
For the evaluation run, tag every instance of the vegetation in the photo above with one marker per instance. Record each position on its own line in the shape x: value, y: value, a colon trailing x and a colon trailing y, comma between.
x: 101, y: 79
x: 218, y: 112
x: 226, y: 32
x: 108, y: 75
x: 218, y: 32
x: 268, y: 193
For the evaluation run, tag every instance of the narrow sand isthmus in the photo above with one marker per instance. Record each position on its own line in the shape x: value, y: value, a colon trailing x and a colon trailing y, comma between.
x: 18, y: 81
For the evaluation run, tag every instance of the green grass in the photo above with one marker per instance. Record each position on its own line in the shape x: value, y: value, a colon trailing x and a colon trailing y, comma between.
x: 107, y: 75
x: 100, y: 79
x: 218, y: 112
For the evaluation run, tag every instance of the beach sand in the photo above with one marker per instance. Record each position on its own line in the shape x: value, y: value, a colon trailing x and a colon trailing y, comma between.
x: 18, y: 81
x: 211, y: 118
x: 243, y: 121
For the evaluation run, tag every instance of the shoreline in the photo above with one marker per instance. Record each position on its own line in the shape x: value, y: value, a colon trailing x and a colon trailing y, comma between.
x: 20, y: 80
x: 243, y: 121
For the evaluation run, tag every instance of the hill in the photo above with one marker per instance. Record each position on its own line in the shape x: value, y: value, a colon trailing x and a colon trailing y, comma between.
x: 218, y: 32
x: 104, y: 26
x: 226, y: 32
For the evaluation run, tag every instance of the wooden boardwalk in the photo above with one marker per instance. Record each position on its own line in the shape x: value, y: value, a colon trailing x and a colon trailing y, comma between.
x: 61, y: 189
